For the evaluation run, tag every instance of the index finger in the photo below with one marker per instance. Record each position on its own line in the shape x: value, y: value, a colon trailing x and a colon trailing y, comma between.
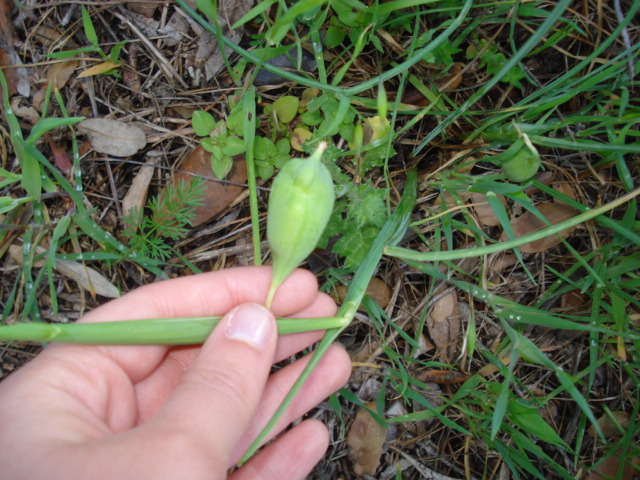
x: 213, y: 293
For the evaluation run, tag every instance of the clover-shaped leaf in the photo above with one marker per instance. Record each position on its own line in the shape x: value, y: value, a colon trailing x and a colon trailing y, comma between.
x: 202, y: 122
x: 233, y: 146
x: 286, y: 108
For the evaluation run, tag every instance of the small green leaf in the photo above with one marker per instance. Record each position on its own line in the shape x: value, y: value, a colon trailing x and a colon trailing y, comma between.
x: 270, y: 147
x: 286, y: 108
x: 334, y: 36
x: 221, y: 167
x: 8, y: 203
x: 367, y: 205
x: 259, y: 148
x: 283, y: 146
x: 220, y: 133
x: 233, y: 146
x: 114, y: 54
x: 207, y: 144
x: 202, y: 122
x: 31, y: 174
x: 216, y: 153
x: 280, y: 160
x: 355, y: 244
x: 311, y: 118
x: 71, y: 53
x: 265, y: 171
x: 89, y: 30
x: 531, y: 422
x: 235, y: 122
x: 7, y: 178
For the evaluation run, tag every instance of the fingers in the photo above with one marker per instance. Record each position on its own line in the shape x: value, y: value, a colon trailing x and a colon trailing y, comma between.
x: 153, y: 390
x: 323, y: 306
x: 219, y: 393
x: 292, y: 456
x: 331, y: 373
x: 213, y: 293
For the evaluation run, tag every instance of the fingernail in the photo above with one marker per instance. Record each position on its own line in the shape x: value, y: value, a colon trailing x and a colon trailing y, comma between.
x: 250, y: 323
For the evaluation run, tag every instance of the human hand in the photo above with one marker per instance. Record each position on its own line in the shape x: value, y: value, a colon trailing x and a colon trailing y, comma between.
x: 155, y: 412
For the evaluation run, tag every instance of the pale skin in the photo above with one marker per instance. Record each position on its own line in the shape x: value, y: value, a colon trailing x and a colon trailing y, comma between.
x: 153, y: 412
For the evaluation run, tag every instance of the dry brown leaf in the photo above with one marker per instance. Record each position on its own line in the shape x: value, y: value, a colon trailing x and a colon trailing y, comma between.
x: 137, y: 193
x: 17, y: 76
x: 175, y: 29
x: 377, y: 289
x: 444, y: 324
x: 61, y: 157
x: 564, y: 188
x: 484, y: 211
x: 365, y: 440
x: 113, y: 137
x: 609, y: 427
x: 442, y: 377
x: 490, y: 368
x: 146, y: 9
x: 575, y: 303
x: 88, y: 278
x: 500, y: 261
x: 59, y: 74
x: 451, y: 81
x: 608, y: 469
x: 527, y: 223
x: 449, y: 200
x: 542, y: 177
x: 218, y: 195
x: 130, y: 75
x: 25, y: 111
x: 49, y: 36
x: 98, y: 69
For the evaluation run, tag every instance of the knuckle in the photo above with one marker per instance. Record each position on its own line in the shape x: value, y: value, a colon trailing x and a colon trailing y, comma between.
x: 221, y: 380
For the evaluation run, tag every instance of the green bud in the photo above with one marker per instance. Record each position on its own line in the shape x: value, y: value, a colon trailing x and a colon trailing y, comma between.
x: 524, y: 163
x: 300, y: 205
x: 520, y: 161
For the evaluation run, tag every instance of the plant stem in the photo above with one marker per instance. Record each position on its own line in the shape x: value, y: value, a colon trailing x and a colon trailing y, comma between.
x: 407, y: 254
x: 391, y: 233
x: 249, y: 131
x: 154, y: 331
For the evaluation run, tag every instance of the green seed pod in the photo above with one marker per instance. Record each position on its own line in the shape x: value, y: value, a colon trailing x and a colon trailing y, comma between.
x: 524, y: 163
x: 520, y: 161
x: 300, y: 205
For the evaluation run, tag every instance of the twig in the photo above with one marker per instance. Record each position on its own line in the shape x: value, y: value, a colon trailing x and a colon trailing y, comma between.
x: 163, y: 63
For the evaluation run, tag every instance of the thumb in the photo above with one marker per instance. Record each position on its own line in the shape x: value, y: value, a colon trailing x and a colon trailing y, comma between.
x: 218, y: 395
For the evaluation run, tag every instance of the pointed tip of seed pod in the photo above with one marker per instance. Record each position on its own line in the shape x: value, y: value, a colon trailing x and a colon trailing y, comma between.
x: 317, y: 154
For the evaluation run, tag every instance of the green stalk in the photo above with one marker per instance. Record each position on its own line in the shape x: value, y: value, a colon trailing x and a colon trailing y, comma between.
x: 249, y: 131
x: 407, y: 254
x: 391, y: 233
x: 153, y: 331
